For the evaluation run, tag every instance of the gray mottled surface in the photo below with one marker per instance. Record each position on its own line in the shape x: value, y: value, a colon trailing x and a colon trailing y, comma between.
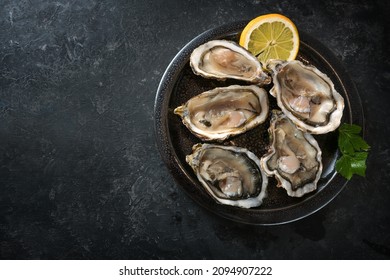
x: 80, y: 175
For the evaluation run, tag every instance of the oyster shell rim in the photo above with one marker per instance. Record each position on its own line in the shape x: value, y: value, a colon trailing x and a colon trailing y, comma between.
x: 334, y: 117
x: 259, y: 77
x: 251, y: 202
x: 284, y: 183
x: 260, y: 93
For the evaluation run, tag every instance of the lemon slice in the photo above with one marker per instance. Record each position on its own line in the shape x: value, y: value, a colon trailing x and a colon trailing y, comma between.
x: 271, y: 36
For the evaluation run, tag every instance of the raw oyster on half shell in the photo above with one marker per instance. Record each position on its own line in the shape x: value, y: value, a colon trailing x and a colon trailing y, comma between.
x: 294, y: 157
x: 231, y: 175
x: 306, y: 96
x: 222, y: 59
x: 225, y: 111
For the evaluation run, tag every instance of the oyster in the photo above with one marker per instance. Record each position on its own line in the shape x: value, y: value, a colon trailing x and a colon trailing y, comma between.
x: 294, y: 157
x: 306, y: 95
x: 231, y: 175
x: 222, y: 59
x: 225, y: 111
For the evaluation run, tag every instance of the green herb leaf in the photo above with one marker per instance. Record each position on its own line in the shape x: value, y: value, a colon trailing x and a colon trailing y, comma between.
x: 350, y: 128
x: 345, y: 145
x: 354, y: 151
x: 343, y: 166
x: 358, y: 163
x: 348, y: 165
x: 359, y: 144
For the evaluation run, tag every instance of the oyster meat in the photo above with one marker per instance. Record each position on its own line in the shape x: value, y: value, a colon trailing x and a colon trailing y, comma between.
x: 222, y: 59
x: 231, y: 175
x: 225, y: 111
x: 306, y: 96
x: 294, y: 157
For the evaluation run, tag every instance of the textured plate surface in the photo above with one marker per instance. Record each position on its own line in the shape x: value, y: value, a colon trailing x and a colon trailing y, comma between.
x: 175, y: 141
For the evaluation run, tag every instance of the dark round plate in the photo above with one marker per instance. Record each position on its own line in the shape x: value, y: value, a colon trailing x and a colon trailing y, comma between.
x: 175, y: 141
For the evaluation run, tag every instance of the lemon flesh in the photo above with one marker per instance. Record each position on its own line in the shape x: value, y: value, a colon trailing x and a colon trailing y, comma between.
x: 271, y: 36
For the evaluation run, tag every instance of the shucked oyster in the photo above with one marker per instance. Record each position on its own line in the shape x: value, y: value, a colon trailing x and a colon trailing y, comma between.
x: 226, y: 111
x: 231, y: 175
x: 294, y: 157
x: 222, y: 59
x: 307, y: 96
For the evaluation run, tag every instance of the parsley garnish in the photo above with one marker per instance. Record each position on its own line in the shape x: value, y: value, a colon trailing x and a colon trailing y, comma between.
x: 354, y: 151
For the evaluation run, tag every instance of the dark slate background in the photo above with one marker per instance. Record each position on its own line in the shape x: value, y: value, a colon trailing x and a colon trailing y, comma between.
x: 80, y: 174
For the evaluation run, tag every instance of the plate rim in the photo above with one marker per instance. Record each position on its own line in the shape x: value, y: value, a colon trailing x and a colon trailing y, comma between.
x: 170, y: 158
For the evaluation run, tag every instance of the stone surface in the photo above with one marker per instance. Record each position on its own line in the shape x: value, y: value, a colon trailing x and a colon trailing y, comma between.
x: 80, y: 174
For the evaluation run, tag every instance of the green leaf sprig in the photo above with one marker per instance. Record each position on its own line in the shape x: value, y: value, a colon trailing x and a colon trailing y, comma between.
x: 354, y: 151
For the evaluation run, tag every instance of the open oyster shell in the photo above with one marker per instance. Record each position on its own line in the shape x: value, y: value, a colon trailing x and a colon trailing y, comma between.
x: 222, y: 59
x: 231, y: 175
x: 306, y: 96
x: 294, y: 157
x: 225, y: 111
